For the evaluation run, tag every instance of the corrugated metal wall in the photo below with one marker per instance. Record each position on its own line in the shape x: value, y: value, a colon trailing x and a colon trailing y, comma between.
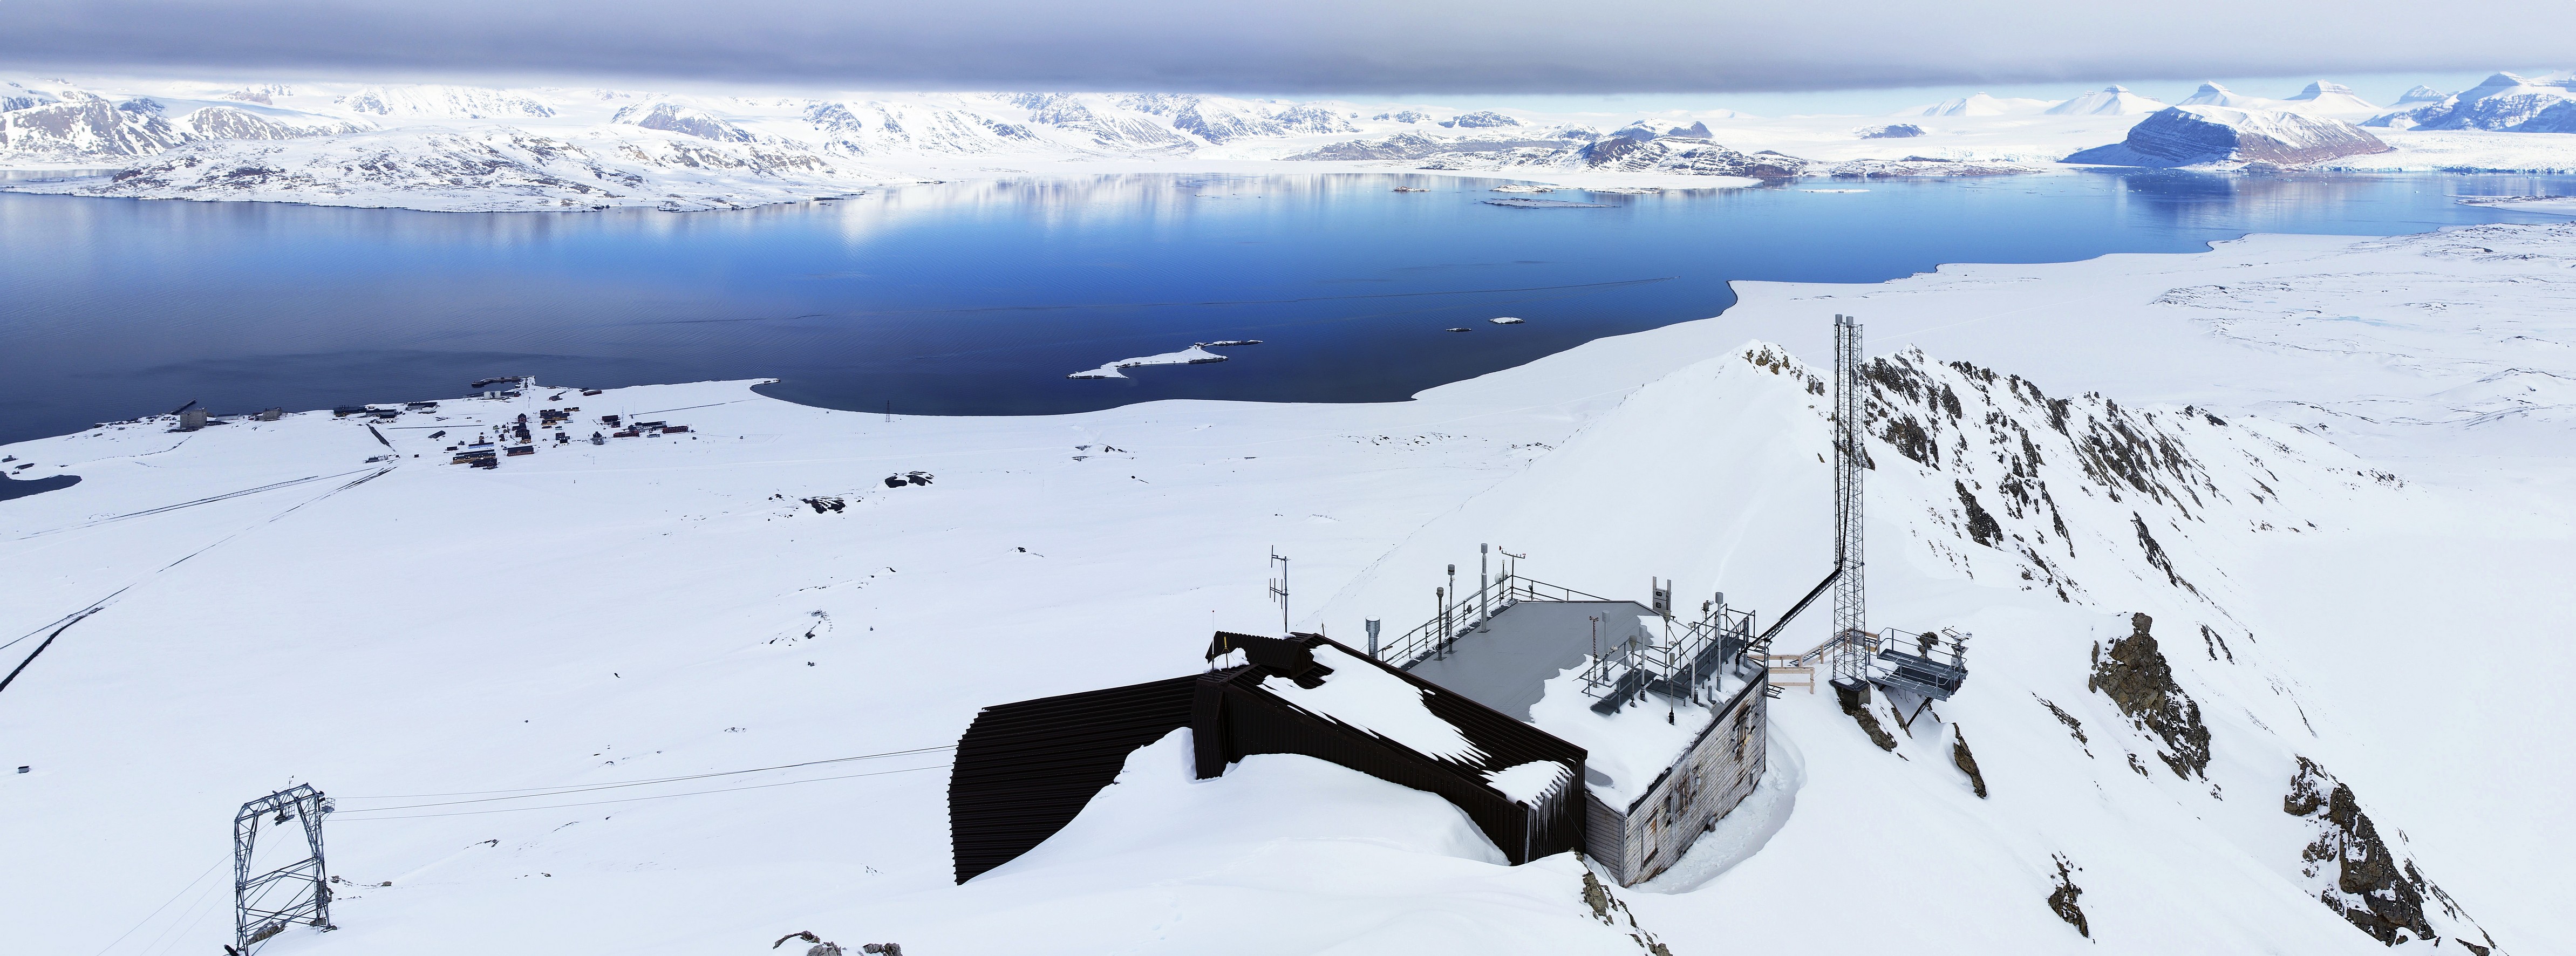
x: 1248, y: 721
x: 1728, y: 757
x: 1024, y: 770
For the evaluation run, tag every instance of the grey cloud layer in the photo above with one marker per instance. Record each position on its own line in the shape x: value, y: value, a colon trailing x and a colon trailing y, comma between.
x: 1441, y: 46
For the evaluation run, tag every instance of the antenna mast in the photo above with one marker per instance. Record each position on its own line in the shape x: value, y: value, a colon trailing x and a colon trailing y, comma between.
x: 1279, y: 588
x: 1850, y: 656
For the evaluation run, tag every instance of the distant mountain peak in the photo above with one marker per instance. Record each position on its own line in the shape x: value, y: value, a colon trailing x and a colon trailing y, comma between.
x: 2112, y: 100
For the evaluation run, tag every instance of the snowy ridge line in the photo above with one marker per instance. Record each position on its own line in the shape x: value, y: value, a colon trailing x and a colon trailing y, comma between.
x: 579, y: 788
x: 666, y: 796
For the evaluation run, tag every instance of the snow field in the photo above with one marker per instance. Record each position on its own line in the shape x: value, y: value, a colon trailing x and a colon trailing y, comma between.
x: 646, y: 609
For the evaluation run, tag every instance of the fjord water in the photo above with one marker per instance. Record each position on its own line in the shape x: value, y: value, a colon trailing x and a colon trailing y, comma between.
x: 978, y: 298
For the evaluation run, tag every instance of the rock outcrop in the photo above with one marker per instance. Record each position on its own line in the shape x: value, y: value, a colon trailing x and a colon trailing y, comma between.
x: 83, y: 126
x: 2361, y: 877
x: 2219, y: 135
x: 686, y: 121
x: 1480, y: 119
x: 2138, y: 679
x: 2061, y: 898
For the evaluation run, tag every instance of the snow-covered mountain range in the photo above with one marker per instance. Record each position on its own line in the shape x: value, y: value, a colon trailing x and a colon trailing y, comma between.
x: 458, y: 147
x: 2505, y: 102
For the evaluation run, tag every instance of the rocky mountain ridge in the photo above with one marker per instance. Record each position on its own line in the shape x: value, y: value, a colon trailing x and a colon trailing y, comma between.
x: 2505, y: 102
x: 2220, y: 135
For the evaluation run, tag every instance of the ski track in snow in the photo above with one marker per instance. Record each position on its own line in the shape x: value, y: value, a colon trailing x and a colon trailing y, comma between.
x: 2333, y: 472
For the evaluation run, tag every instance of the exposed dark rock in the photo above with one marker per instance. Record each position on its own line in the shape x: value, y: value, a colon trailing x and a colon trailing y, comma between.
x: 2371, y: 888
x: 1480, y: 119
x: 2138, y: 679
x: 673, y: 118
x: 1891, y: 131
x: 225, y: 122
x: 1860, y: 714
x: 1608, y: 908
x: 2073, y: 726
x: 2504, y: 102
x: 1967, y: 761
x: 1982, y: 528
x: 84, y: 125
x: 2216, y: 644
x: 1912, y: 441
x: 2201, y: 135
x: 1696, y: 157
x: 2156, y: 554
x: 2062, y: 899
x: 1431, y: 146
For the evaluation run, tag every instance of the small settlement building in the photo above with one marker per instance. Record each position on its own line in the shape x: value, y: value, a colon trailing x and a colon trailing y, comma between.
x: 1501, y: 712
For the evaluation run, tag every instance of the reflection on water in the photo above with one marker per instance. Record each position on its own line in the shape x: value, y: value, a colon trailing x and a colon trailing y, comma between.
x: 978, y: 297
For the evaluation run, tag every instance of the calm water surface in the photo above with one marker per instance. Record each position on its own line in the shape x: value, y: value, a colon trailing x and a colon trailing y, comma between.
x: 978, y: 298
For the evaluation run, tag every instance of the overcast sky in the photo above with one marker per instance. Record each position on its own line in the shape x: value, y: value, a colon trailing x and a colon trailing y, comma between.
x: 1334, y: 47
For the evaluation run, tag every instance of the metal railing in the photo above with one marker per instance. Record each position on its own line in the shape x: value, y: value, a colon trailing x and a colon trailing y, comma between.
x: 1463, y: 615
x: 1688, y: 655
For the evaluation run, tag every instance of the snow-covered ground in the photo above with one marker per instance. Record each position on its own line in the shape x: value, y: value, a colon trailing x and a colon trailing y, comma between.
x: 2334, y: 474
x: 467, y: 148
x: 1196, y: 354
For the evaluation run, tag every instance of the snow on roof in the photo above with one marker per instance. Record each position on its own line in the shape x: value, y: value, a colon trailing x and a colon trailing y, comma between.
x: 1530, y: 782
x: 1361, y: 694
x: 1625, y: 751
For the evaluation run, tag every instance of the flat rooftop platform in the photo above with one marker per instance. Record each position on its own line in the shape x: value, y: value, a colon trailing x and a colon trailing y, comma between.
x: 1507, y: 663
x: 1526, y: 661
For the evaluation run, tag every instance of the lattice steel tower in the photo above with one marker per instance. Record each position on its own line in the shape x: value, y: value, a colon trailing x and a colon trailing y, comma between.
x: 1850, y: 656
x: 258, y: 912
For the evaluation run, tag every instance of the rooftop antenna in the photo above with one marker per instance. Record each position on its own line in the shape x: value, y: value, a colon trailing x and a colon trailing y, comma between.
x: 308, y: 900
x: 1448, y: 621
x: 1279, y: 588
x: 1850, y: 656
x: 1484, y: 586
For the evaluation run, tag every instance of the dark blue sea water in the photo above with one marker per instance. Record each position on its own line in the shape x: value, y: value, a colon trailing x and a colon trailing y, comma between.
x: 978, y: 298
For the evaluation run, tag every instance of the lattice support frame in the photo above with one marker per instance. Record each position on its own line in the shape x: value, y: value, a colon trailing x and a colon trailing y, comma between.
x: 1850, y: 655
x: 257, y: 913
